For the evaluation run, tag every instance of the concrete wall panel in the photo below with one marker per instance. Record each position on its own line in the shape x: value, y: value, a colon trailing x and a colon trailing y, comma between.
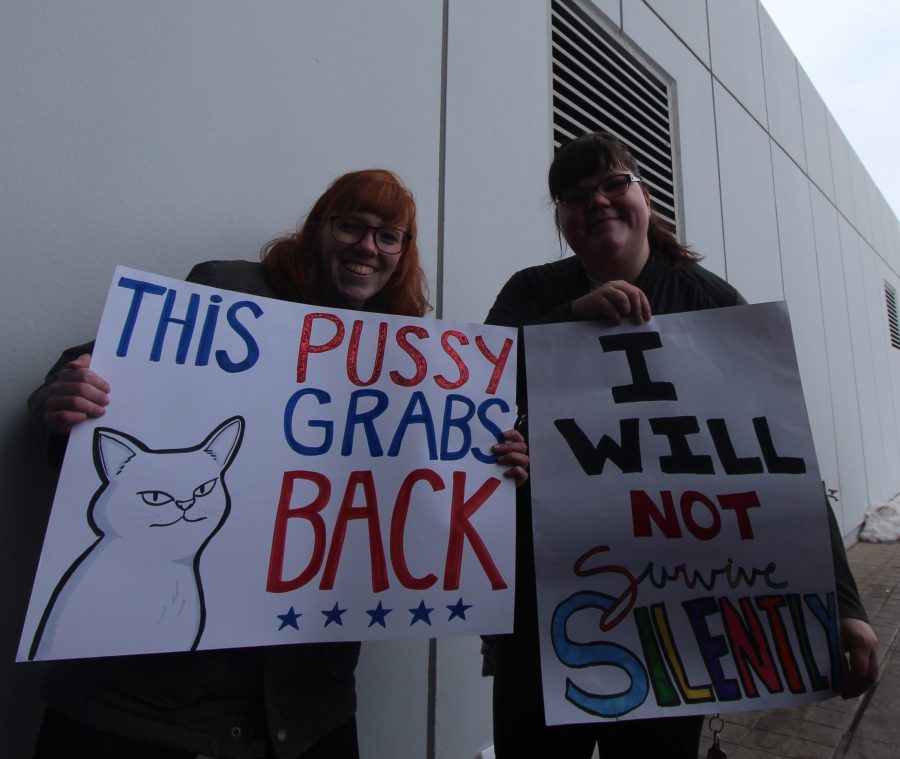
x: 802, y: 293
x: 735, y: 53
x: 695, y: 159
x: 748, y: 202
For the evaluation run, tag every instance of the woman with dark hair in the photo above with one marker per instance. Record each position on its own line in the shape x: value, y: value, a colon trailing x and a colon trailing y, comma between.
x: 356, y: 249
x: 627, y: 265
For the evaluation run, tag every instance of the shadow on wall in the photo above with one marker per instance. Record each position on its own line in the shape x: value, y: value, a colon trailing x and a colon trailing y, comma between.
x: 28, y: 492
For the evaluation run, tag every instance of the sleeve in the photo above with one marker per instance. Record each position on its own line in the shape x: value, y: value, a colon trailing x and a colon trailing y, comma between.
x: 739, y: 300
x: 849, y: 603
x: 53, y: 443
x: 521, y: 302
x: 204, y: 274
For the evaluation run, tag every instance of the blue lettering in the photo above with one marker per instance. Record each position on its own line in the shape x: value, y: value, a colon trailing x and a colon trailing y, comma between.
x: 139, y: 288
x: 365, y: 418
x: 187, y: 331
x: 208, y: 331
x: 712, y: 647
x: 490, y: 458
x: 423, y: 417
x: 581, y: 655
x: 307, y: 450
x: 460, y: 423
x: 222, y: 358
x: 828, y: 617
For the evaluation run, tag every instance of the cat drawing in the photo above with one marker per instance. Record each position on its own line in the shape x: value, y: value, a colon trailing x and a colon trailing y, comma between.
x: 153, y: 514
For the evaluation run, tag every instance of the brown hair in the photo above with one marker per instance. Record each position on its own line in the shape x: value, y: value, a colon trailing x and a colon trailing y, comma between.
x: 292, y: 262
x: 598, y: 152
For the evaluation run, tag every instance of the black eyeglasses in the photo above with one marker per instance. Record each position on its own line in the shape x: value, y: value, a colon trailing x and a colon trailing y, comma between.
x: 348, y: 231
x: 611, y: 187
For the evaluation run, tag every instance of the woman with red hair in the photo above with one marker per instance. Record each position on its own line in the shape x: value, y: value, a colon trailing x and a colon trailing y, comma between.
x: 356, y: 249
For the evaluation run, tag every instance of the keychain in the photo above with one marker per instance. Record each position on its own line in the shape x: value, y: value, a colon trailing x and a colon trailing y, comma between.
x: 716, y: 724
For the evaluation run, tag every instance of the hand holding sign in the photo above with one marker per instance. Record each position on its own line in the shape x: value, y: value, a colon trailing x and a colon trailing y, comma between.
x: 76, y: 394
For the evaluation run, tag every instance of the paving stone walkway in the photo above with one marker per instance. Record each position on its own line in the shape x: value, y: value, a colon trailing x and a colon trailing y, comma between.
x: 867, y: 727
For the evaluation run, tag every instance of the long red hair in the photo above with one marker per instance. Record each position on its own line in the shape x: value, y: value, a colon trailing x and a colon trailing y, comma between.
x: 292, y: 262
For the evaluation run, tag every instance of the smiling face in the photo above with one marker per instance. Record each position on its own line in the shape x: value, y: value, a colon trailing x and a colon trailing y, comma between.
x: 609, y: 235
x: 358, y: 271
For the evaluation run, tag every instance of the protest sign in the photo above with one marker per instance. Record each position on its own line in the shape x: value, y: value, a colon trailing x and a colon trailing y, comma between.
x: 681, y: 540
x: 270, y: 472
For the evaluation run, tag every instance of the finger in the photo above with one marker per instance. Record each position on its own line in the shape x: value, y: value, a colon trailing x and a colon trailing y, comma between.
x: 872, y: 673
x: 640, y: 306
x: 518, y: 474
x: 504, y: 448
x: 513, y: 436
x: 619, y: 295
x: 852, y: 685
x: 637, y: 311
x: 515, y: 458
x: 608, y: 309
x: 92, y: 390
x: 91, y: 402
x: 62, y: 412
x: 645, y: 305
x: 860, y: 670
x: 82, y: 362
x: 81, y: 375
x: 63, y: 421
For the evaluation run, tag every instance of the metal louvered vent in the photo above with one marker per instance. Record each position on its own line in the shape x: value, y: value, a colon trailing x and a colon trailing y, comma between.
x: 890, y: 297
x: 600, y: 86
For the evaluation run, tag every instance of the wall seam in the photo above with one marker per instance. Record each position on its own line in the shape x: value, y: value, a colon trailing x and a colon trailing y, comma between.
x: 712, y: 92
x: 431, y: 709
x: 442, y: 168
x: 770, y: 140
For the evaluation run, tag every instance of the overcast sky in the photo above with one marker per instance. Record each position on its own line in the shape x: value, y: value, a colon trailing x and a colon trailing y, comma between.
x: 851, y: 52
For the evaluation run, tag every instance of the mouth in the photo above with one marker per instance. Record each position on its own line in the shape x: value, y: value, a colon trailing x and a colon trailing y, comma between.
x: 182, y: 518
x: 600, y: 221
x: 360, y: 269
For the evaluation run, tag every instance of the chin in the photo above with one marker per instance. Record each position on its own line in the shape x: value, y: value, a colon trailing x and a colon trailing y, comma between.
x: 354, y: 301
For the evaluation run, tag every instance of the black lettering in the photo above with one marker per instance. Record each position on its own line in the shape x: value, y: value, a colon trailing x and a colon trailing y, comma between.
x: 625, y: 455
x: 642, y: 388
x: 681, y: 460
x: 725, y: 448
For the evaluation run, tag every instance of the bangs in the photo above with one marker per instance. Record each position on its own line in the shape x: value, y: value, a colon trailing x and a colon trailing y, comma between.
x: 584, y: 157
x: 382, y: 197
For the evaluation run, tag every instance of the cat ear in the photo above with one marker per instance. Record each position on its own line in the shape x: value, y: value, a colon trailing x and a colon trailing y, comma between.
x: 223, y: 442
x: 112, y: 450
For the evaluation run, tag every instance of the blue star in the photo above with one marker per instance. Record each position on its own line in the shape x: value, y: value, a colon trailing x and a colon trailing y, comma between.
x: 378, y: 614
x: 458, y: 610
x: 289, y: 619
x: 334, y: 615
x: 421, y: 612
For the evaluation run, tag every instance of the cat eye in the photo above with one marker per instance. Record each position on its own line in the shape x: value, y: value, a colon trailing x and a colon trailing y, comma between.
x: 155, y: 497
x: 205, y: 489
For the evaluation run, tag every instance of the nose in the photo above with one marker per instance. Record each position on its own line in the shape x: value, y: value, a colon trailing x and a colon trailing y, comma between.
x: 185, y: 505
x: 367, y: 242
x: 598, y: 198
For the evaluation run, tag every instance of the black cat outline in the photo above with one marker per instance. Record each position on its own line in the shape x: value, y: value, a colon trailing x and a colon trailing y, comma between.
x: 131, y: 446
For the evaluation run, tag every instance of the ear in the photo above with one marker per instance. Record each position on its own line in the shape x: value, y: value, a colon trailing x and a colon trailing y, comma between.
x: 647, y: 197
x: 224, y: 441
x: 112, y: 451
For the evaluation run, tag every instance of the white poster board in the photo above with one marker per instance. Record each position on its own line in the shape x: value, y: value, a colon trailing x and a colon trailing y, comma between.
x: 681, y: 541
x: 270, y: 473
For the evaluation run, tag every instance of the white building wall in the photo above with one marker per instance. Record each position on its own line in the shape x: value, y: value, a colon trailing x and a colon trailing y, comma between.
x: 158, y: 135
